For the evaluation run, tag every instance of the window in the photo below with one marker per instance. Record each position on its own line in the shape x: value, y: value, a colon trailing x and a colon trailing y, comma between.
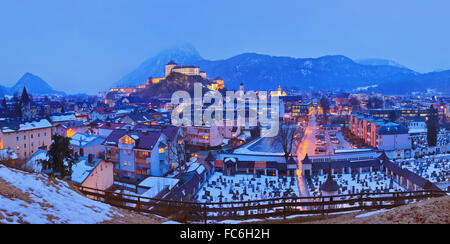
x: 24, y: 137
x: 45, y: 133
x: 17, y: 138
x: 31, y: 136
x: 39, y: 134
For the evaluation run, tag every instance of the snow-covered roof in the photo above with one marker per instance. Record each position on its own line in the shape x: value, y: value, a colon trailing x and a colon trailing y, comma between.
x: 157, y: 184
x: 62, y: 118
x: 82, y: 140
x: 417, y: 130
x: 197, y: 167
x: 33, y: 125
x: 337, y: 151
x: 82, y: 169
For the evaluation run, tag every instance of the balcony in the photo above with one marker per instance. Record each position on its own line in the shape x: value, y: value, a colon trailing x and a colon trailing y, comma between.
x: 141, y: 160
x: 143, y: 165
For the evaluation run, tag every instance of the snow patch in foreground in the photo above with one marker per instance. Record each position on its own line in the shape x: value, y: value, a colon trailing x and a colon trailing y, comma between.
x: 52, y: 201
x: 372, y: 213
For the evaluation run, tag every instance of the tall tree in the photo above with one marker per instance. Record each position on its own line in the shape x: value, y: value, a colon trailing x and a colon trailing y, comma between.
x: 325, y: 105
x: 354, y: 102
x: 60, y: 157
x: 432, y: 127
x: 374, y: 102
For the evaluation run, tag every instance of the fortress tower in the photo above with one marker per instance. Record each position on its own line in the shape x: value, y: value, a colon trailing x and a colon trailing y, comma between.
x: 169, y: 67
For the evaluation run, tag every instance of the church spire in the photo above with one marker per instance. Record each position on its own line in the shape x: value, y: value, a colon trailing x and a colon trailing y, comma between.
x: 25, y: 99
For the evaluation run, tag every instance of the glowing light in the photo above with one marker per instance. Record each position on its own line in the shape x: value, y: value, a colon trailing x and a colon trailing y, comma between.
x: 70, y: 133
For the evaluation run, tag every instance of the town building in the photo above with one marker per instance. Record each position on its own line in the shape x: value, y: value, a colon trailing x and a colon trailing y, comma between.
x: 93, y: 173
x: 58, y: 119
x: 83, y: 144
x: 69, y: 129
x: 190, y: 70
x: 103, y: 113
x: 203, y: 136
x: 382, y: 134
x: 137, y: 154
x: 257, y: 164
x: 25, y: 137
x: 106, y: 128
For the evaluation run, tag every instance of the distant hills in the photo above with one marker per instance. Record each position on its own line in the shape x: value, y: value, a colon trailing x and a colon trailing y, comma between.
x: 264, y: 72
x: 34, y: 84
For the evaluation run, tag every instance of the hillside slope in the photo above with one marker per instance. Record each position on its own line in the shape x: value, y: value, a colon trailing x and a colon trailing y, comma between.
x: 36, y: 199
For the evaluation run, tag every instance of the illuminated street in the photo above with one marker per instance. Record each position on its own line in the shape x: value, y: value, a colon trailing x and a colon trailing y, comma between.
x: 306, y: 146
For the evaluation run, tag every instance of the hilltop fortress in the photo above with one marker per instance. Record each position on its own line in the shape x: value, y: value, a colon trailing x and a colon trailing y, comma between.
x: 170, y: 68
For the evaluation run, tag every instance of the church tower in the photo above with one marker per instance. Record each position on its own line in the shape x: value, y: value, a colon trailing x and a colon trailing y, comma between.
x: 25, y: 104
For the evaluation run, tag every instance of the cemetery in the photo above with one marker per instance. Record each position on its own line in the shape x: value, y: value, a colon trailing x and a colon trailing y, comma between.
x: 374, y: 181
x: 243, y: 187
x: 435, y: 168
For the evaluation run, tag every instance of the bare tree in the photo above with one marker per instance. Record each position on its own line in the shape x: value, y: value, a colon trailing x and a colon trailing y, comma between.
x: 288, y: 136
x: 177, y: 152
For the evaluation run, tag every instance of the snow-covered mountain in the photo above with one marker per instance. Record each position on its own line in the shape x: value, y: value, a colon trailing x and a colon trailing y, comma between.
x: 264, y: 72
x: 378, y: 61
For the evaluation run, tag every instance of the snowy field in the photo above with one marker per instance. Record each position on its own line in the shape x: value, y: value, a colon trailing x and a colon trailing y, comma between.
x: 36, y: 199
x: 376, y: 181
x: 220, y: 188
x: 435, y: 168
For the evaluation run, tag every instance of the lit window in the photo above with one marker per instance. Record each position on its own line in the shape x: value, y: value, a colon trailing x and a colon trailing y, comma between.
x: 161, y: 150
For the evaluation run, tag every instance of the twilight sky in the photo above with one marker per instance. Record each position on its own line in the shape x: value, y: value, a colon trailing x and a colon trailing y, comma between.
x: 86, y: 45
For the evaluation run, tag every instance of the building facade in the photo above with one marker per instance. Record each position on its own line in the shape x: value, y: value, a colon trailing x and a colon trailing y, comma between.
x: 25, y: 138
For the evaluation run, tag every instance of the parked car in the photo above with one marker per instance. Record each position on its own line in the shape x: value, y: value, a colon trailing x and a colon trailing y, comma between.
x: 320, y: 143
x: 320, y: 149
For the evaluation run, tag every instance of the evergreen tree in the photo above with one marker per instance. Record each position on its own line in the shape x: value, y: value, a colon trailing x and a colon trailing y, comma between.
x: 432, y: 127
x: 325, y: 105
x: 58, y: 155
x: 17, y: 113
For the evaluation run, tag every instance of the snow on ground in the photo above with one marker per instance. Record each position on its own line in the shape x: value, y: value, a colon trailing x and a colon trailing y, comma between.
x: 7, y: 154
x: 243, y: 187
x: 420, y: 143
x: 435, y: 168
x: 371, y: 213
x: 356, y: 183
x: 40, y: 200
x: 34, y: 162
x: 171, y: 222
